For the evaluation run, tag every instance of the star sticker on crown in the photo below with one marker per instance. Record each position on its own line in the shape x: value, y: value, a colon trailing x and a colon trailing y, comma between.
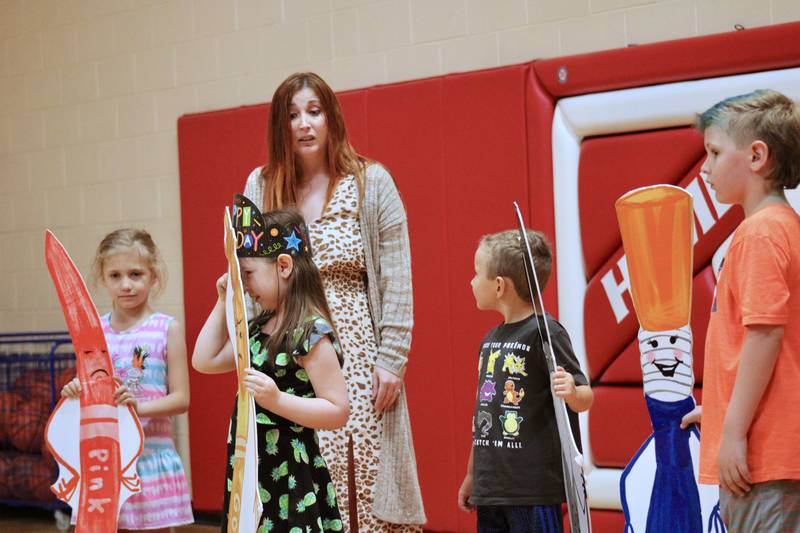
x: 292, y: 242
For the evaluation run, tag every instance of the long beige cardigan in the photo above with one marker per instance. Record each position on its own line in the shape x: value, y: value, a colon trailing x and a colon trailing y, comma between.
x: 384, y: 230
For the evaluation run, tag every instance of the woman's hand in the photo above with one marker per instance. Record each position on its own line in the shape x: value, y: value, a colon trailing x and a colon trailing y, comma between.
x: 72, y: 390
x: 222, y: 286
x: 385, y: 388
x: 692, y: 417
x: 262, y: 387
x: 564, y: 384
x: 123, y: 395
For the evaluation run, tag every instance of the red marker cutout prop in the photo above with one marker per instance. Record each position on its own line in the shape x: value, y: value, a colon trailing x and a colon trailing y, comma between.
x: 95, y: 441
x: 244, y: 509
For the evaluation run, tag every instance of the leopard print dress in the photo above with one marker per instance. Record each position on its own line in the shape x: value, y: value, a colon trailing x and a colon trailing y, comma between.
x: 339, y: 254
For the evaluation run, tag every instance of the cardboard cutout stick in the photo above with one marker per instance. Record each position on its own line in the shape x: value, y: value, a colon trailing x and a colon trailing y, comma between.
x: 95, y: 441
x: 244, y: 509
x: 659, y: 489
x: 571, y: 457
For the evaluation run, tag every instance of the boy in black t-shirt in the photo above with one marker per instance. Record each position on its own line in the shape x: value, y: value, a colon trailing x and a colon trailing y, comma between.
x: 514, y: 477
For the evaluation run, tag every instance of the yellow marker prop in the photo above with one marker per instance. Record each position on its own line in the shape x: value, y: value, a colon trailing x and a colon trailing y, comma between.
x: 244, y: 509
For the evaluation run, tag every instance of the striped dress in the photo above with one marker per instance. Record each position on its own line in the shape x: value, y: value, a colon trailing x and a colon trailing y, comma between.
x: 139, y: 356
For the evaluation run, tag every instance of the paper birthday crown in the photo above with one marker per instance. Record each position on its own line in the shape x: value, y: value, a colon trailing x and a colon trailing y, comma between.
x: 256, y: 238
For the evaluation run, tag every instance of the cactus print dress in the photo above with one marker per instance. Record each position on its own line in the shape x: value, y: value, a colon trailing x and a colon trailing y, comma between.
x: 293, y: 480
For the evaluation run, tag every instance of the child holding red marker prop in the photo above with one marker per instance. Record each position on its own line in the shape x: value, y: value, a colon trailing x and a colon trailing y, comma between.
x: 148, y: 352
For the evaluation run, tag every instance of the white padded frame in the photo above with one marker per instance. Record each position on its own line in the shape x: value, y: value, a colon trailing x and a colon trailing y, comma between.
x: 628, y: 110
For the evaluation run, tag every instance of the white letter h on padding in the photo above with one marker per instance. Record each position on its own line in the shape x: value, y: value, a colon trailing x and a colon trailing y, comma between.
x: 614, y: 290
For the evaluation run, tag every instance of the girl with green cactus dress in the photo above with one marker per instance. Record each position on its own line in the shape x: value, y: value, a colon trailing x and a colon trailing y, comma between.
x: 295, y: 375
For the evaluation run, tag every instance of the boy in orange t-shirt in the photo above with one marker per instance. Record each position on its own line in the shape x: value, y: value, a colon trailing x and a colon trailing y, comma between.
x: 751, y: 381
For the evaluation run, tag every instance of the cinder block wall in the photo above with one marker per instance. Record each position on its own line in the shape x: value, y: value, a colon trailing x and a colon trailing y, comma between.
x: 90, y: 91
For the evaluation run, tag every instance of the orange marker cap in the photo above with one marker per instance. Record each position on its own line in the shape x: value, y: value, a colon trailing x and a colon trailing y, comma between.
x: 657, y: 227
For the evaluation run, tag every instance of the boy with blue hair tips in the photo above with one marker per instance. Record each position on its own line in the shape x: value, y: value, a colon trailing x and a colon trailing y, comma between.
x: 750, y: 435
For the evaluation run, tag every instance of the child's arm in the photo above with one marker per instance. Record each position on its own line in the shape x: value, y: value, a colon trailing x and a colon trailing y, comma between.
x: 331, y: 407
x: 578, y: 397
x: 465, y: 491
x: 213, y: 353
x: 122, y: 395
x: 762, y: 344
x: 177, y: 399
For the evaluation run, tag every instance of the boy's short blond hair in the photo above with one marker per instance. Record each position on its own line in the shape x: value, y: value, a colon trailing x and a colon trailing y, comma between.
x: 506, y: 258
x: 764, y: 115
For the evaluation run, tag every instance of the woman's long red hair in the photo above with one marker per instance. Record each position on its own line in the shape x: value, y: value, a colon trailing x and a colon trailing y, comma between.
x: 281, y: 172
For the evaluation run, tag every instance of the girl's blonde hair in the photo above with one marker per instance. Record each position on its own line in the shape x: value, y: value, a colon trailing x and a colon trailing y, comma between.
x: 127, y: 239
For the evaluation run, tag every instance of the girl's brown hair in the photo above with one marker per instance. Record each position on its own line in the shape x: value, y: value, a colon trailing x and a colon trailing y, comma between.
x: 127, y: 239
x: 280, y: 173
x: 305, y: 295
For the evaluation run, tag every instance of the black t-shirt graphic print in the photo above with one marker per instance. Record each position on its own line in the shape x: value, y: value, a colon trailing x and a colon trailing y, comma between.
x: 516, y: 450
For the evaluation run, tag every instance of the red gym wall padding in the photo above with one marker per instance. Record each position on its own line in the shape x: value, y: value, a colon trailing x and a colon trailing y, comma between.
x: 462, y: 148
x: 459, y: 156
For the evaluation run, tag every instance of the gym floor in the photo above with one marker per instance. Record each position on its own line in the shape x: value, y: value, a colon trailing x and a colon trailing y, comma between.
x: 30, y: 520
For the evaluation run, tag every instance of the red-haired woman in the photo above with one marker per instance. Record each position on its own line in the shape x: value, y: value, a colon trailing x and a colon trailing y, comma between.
x: 359, y: 235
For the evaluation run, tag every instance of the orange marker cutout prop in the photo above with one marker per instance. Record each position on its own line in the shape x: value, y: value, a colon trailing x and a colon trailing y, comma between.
x: 95, y: 441
x: 658, y: 488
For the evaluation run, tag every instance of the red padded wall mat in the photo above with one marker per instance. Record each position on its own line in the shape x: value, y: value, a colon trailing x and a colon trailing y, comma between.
x: 721, y: 54
x: 409, y: 116
x: 612, y: 165
x: 459, y: 156
x: 485, y: 171
x: 461, y: 148
x: 217, y: 151
x: 540, y: 107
